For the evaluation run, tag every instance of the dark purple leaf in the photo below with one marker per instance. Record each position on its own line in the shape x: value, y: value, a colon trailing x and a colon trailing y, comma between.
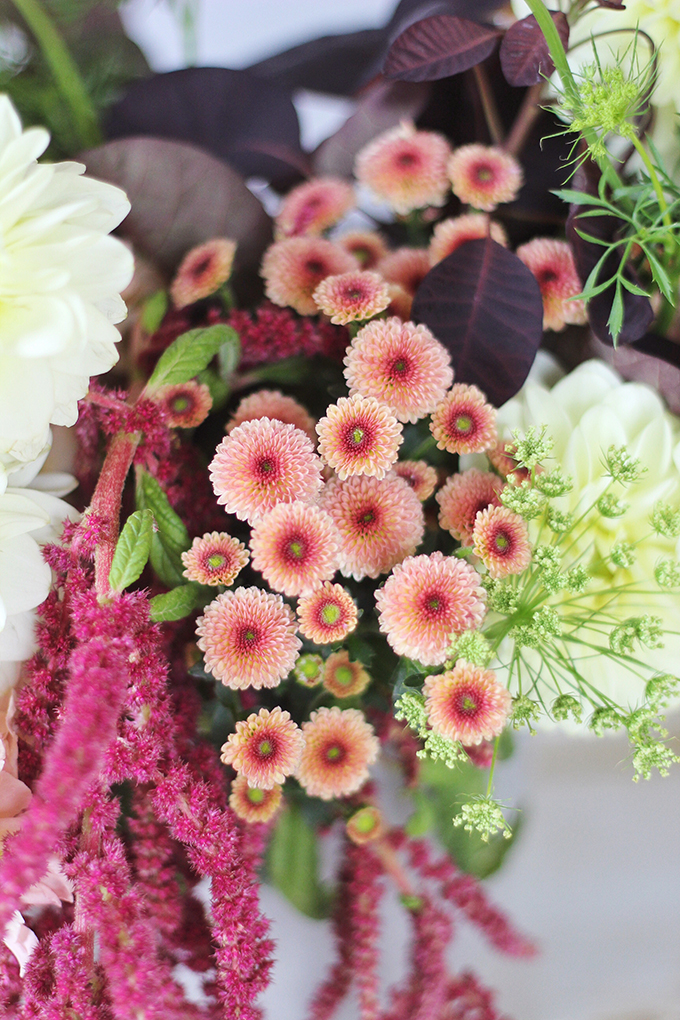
x: 439, y: 47
x: 524, y: 53
x: 181, y: 196
x: 336, y: 64
x: 485, y: 306
x: 409, y: 11
x: 653, y: 359
x: 246, y: 120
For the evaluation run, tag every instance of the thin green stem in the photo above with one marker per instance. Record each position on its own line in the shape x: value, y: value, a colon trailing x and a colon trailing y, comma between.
x: 656, y: 183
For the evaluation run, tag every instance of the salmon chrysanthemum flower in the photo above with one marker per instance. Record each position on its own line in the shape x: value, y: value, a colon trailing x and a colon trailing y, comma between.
x: 312, y: 207
x: 216, y: 558
x: 400, y: 364
x: 253, y: 805
x: 462, y: 497
x: 292, y: 269
x: 265, y: 748
x: 262, y: 463
x: 294, y: 547
x: 275, y: 405
x: 464, y: 422
x: 327, y: 614
x: 450, y: 234
x: 248, y: 638
x: 483, y: 176
x: 405, y: 167
x: 308, y: 670
x: 359, y: 436
x: 365, y: 825
x: 406, y: 267
x: 202, y: 271
x: 352, y: 297
x: 467, y: 703
x: 379, y: 521
x: 420, y: 475
x: 427, y: 600
x: 367, y: 246
x: 186, y: 405
x: 344, y: 678
x: 552, y: 263
x: 501, y: 540
x: 339, y: 747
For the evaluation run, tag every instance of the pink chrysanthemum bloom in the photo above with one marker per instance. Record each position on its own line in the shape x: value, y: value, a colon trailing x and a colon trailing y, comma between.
x: 483, y: 176
x: 405, y: 167
x: 216, y: 558
x: 467, y: 703
x: 462, y: 497
x: 552, y: 263
x: 425, y: 601
x: 420, y: 475
x: 328, y: 614
x: 186, y: 404
x: 248, y: 638
x: 344, y: 678
x: 401, y: 303
x: 202, y: 271
x: 265, y: 748
x: 352, y: 297
x: 339, y: 747
x: 406, y: 267
x: 367, y: 246
x: 295, y: 547
x: 314, y: 206
x: 380, y: 521
x: 262, y: 463
x: 253, y: 805
x: 365, y: 825
x: 501, y: 541
x: 359, y: 436
x: 400, y: 364
x: 308, y: 670
x: 293, y: 268
x: 450, y: 234
x: 275, y: 405
x: 464, y: 422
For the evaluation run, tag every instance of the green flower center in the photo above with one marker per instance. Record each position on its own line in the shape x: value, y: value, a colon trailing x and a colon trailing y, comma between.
x: 254, y: 795
x: 216, y: 560
x: 330, y: 614
x: 344, y: 675
x: 463, y: 423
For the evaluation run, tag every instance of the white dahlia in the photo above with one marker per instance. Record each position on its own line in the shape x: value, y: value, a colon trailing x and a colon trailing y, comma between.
x: 60, y: 281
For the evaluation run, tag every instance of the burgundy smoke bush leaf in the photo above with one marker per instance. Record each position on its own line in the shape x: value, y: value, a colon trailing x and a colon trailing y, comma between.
x: 408, y: 12
x: 524, y: 53
x: 485, y: 306
x: 439, y: 47
x: 196, y: 197
x: 335, y: 64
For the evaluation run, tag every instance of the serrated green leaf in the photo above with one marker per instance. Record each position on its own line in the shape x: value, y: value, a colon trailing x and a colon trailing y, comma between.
x: 175, y: 604
x: 171, y: 527
x: 293, y: 864
x: 167, y: 565
x: 154, y: 309
x: 615, y: 321
x: 189, y: 354
x: 660, y: 276
x: 132, y: 550
x: 219, y: 390
x: 577, y: 197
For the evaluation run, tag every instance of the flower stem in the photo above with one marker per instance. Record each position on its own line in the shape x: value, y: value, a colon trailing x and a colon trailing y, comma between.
x: 106, y: 503
x: 64, y: 70
x: 491, y: 116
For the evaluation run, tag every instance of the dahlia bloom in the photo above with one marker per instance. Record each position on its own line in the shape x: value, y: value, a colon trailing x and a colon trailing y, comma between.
x: 344, y: 678
x: 405, y: 167
x: 552, y: 263
x: 253, y: 805
x: 367, y: 246
x: 467, y: 703
x: 464, y: 422
x: 248, y: 638
x: 425, y: 601
x: 462, y: 497
x: 265, y: 748
x: 450, y: 234
x: 379, y: 521
x: 501, y: 541
x: 406, y: 267
x: 359, y: 436
x: 273, y: 404
x: 484, y: 176
x: 261, y: 463
x: 202, y: 271
x: 420, y: 475
x: 339, y: 747
x: 327, y: 614
x: 292, y: 269
x: 215, y: 558
x: 312, y: 207
x: 186, y: 405
x: 352, y: 296
x: 294, y: 547
x: 400, y: 364
x: 61, y: 282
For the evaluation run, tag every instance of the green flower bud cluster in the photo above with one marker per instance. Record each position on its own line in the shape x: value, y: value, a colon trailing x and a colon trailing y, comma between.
x: 610, y: 506
x: 553, y: 483
x: 667, y: 574
x: 623, y: 555
x: 484, y: 816
x: 564, y: 706
x: 531, y: 447
x: 524, y: 711
x: 473, y: 647
x: 645, y: 629
x: 666, y: 520
x: 410, y: 708
x: 524, y: 500
x: 621, y: 466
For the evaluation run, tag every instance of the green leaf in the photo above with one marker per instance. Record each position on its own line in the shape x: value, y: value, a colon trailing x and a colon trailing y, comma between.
x: 616, y: 314
x: 219, y: 389
x: 175, y: 604
x: 167, y: 565
x: 132, y: 550
x: 293, y: 864
x: 290, y: 371
x: 229, y: 356
x: 660, y: 276
x: 189, y: 354
x: 154, y: 309
x: 578, y: 197
x: 171, y: 527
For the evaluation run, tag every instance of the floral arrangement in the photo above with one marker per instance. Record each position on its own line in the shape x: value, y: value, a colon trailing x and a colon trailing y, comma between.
x: 335, y: 511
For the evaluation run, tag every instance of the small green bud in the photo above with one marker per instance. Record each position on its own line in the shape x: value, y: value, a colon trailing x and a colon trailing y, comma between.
x: 532, y: 447
x: 501, y: 596
x: 524, y: 711
x: 553, y: 483
x: 564, y: 706
x: 621, y: 466
x: 523, y: 500
x: 577, y: 580
x: 623, y: 555
x: 667, y: 574
x: 547, y: 557
x: 308, y: 670
x: 605, y: 719
x: 559, y: 522
x: 652, y: 755
x: 440, y: 748
x: 473, y: 647
x: 610, y: 506
x: 410, y: 708
x: 484, y: 816
x: 666, y: 520
x: 660, y: 688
